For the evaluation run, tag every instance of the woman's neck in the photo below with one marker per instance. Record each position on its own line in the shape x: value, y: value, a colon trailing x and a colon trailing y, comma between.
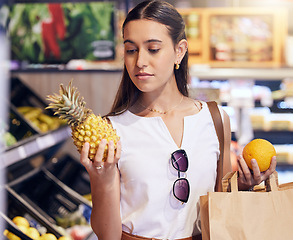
x: 162, y: 104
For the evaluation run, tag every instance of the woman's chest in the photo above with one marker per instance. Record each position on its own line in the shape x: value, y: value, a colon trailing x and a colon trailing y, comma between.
x: 147, y: 156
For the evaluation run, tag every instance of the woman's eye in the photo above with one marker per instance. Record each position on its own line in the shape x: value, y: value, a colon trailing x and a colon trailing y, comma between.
x: 154, y: 50
x: 130, y: 51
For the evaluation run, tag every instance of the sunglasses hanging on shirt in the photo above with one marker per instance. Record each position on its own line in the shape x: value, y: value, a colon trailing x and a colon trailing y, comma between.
x: 181, y: 188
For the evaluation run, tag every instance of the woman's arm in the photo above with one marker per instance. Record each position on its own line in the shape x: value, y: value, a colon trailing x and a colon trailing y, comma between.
x: 246, y: 178
x: 105, y: 191
x: 226, y: 157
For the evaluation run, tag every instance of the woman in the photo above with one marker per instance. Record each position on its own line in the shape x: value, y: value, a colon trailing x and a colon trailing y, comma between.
x: 145, y: 193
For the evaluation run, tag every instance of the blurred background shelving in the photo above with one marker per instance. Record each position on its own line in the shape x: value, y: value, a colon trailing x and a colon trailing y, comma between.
x: 252, y: 80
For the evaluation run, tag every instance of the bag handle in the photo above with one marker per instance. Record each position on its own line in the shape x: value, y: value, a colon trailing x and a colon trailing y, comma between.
x: 217, y: 119
x: 271, y: 183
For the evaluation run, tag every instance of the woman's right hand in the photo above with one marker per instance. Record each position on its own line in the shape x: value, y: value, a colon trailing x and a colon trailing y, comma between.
x: 105, y: 190
x: 103, y: 171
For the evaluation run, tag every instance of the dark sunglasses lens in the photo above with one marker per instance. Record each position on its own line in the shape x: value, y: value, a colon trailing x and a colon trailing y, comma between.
x: 179, y: 161
x: 181, y: 189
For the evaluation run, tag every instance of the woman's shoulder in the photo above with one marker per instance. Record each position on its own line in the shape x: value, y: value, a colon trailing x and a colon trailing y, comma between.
x: 119, y: 115
x: 220, y: 107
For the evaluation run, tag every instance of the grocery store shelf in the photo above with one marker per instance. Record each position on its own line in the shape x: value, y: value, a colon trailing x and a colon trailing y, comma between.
x: 33, y: 146
x: 204, y: 72
x: 73, y: 66
x: 275, y: 137
x: 11, y: 227
x: 200, y: 71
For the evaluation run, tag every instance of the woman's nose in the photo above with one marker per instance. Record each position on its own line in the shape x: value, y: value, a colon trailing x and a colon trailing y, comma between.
x: 141, y: 61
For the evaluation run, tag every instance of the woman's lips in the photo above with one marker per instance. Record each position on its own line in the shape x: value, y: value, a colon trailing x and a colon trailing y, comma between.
x: 143, y: 76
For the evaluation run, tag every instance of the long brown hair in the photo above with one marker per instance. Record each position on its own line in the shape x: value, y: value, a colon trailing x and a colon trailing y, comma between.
x: 164, y: 13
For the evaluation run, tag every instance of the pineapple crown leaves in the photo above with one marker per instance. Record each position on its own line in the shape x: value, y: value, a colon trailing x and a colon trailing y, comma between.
x: 69, y: 105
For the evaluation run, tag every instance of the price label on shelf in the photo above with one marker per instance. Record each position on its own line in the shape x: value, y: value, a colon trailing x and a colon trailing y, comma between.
x: 21, y: 152
x: 45, y: 141
x: 10, y: 157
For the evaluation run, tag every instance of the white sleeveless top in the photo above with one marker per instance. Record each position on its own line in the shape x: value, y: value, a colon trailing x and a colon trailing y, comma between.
x: 148, y: 206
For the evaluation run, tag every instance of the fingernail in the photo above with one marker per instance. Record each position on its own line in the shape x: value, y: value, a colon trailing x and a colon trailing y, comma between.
x: 253, y: 161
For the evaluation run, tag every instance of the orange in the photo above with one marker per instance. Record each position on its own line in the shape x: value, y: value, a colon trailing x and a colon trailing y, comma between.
x: 261, y: 150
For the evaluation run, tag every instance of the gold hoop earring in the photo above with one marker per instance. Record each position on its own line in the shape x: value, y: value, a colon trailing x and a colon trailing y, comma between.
x: 177, y: 66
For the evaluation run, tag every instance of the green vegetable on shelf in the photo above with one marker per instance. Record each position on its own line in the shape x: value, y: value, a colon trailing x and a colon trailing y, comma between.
x: 8, y: 139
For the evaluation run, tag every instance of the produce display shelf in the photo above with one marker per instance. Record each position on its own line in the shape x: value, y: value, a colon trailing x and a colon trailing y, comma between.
x: 71, y: 172
x: 208, y: 73
x: 50, y: 202
x: 274, y: 136
x: 34, y: 145
x: 11, y: 227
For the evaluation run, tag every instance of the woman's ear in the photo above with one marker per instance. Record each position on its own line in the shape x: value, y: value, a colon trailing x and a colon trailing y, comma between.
x: 181, y: 49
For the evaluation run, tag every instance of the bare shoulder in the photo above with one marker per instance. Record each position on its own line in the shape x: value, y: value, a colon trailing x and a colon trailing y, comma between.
x: 191, y: 106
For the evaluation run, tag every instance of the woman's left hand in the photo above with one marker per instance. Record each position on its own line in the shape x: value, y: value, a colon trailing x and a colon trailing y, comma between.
x: 249, y: 178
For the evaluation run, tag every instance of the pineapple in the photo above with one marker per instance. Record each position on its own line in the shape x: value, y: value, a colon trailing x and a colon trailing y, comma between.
x: 85, y: 125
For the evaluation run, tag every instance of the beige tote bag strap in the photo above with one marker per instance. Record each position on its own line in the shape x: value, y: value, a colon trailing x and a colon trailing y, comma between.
x: 217, y: 119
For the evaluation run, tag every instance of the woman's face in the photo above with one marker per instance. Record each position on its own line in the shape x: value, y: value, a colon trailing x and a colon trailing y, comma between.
x: 149, y: 55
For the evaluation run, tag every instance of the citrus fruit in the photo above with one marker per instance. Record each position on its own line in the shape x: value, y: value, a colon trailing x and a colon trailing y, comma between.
x: 64, y: 238
x: 10, y: 235
x: 21, y: 221
x: 33, y: 233
x: 23, y: 228
x: 261, y: 150
x: 48, y: 236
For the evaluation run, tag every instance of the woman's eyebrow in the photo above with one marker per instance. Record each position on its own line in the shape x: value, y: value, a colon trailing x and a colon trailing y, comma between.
x: 148, y: 41
x: 153, y: 40
x: 128, y: 41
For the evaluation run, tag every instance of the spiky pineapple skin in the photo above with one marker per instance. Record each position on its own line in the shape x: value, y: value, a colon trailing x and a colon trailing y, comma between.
x: 93, y: 130
x: 85, y: 126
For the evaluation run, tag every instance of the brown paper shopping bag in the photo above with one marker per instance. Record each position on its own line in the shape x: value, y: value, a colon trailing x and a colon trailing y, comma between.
x: 248, y: 215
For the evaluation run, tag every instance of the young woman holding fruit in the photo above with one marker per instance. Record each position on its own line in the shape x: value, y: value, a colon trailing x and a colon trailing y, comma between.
x: 150, y: 187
